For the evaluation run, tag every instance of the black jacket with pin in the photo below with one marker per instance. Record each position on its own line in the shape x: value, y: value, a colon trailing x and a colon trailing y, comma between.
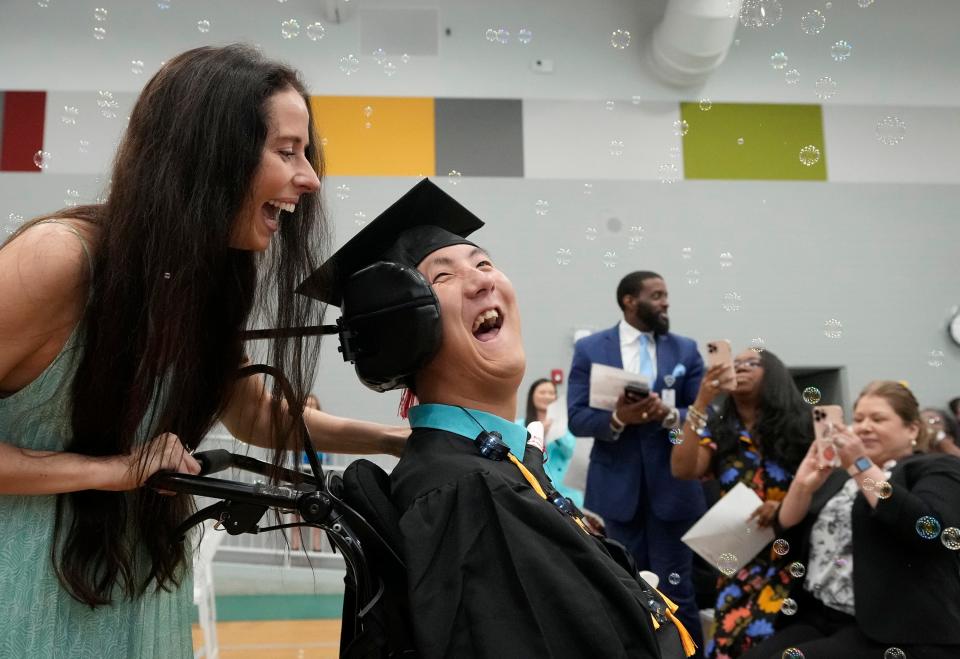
x: 906, y: 588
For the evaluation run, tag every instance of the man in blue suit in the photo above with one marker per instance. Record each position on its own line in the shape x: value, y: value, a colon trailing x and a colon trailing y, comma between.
x: 629, y: 482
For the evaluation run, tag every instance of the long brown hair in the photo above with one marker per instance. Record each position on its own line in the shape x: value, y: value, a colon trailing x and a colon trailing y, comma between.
x: 169, y: 298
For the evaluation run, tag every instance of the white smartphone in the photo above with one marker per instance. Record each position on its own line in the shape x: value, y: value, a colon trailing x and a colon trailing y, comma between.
x: 720, y: 351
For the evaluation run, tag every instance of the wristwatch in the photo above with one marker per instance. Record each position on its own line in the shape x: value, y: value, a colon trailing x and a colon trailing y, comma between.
x: 859, y: 465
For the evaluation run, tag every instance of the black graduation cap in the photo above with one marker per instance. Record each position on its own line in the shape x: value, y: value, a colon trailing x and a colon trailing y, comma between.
x: 422, y: 221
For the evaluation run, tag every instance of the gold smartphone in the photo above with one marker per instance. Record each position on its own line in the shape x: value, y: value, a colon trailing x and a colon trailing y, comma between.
x: 825, y: 419
x: 719, y: 351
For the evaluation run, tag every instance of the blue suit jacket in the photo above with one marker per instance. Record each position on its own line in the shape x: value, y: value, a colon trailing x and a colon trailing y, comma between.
x: 638, y: 463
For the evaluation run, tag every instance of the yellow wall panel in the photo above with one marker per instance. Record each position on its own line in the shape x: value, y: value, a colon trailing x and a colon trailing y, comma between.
x: 399, y: 141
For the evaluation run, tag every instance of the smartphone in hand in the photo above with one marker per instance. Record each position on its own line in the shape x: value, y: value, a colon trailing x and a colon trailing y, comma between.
x: 825, y: 419
x: 635, y: 392
x: 719, y: 351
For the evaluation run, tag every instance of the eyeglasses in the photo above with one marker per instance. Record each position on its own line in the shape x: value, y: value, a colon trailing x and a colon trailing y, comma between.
x: 749, y: 364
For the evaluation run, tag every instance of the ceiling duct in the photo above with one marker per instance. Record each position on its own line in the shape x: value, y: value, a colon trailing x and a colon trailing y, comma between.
x: 692, y: 40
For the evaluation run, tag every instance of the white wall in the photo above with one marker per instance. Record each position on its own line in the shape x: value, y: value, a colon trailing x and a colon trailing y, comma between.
x: 880, y: 257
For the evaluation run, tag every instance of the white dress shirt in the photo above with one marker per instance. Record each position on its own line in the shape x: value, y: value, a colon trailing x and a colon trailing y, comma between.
x: 630, y: 349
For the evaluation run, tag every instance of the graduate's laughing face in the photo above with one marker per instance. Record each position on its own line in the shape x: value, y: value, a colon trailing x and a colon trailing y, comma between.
x: 480, y: 319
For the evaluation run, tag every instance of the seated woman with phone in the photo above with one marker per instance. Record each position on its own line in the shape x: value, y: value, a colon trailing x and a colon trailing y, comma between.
x: 758, y: 438
x: 878, y: 538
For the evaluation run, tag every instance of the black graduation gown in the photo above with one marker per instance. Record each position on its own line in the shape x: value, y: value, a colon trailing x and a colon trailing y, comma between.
x: 495, y: 571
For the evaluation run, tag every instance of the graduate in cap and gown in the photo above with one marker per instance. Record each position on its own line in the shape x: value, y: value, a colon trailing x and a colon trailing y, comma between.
x: 499, y: 565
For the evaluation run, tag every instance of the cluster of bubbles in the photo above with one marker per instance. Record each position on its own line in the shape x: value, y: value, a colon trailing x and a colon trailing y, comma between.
x: 502, y: 35
x: 809, y: 155
x: 620, y: 39
x: 891, y: 130
x: 727, y: 563
x: 542, y: 207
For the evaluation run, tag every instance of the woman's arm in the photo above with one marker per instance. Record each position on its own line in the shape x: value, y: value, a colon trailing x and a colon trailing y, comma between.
x: 810, y: 476
x: 689, y: 460
x: 250, y: 410
x: 24, y: 471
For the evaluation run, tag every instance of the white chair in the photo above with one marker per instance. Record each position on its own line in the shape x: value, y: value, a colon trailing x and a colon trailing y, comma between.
x: 203, y: 595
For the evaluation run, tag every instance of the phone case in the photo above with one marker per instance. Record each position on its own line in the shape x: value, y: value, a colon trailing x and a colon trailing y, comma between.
x: 825, y: 418
x: 719, y: 351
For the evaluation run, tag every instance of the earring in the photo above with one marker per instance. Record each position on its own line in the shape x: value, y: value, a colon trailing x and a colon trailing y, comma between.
x: 913, y: 443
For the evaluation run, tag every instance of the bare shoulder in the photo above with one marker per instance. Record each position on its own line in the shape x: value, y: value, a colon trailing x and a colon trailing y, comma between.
x: 47, y: 261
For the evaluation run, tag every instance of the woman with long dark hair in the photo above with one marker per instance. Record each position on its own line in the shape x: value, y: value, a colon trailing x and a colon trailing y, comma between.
x: 558, y: 452
x: 119, y: 347
x: 758, y: 437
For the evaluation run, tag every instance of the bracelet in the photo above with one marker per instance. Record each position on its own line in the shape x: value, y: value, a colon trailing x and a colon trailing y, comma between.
x: 697, y: 413
x: 615, y: 421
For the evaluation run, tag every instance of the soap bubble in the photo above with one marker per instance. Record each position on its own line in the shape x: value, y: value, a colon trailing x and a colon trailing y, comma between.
x: 71, y: 197
x: 542, y: 207
x: 792, y: 653
x: 951, y: 538
x: 203, y: 25
x: 524, y: 36
x: 454, y: 177
x: 360, y: 218
x: 693, y: 277
x: 781, y: 547
x: 680, y: 127
x: 676, y: 437
x: 705, y: 104
x: 779, y: 60
x: 668, y: 173
x: 811, y: 395
x: 610, y: 259
x: 42, y: 159
x: 674, y: 578
x: 791, y: 77
x: 636, y: 235
x: 379, y: 55
x: 726, y: 260
x: 731, y: 301
x: 83, y: 146
x: 797, y: 569
x: 809, y: 155
x: 864, y: 3
x: 813, y: 22
x: 935, y: 358
x: 832, y: 328
x: 343, y: 191
x: 928, y: 527
x: 100, y: 14
x: 591, y: 233
x: 136, y: 66
x: 349, y: 64
x: 163, y: 5
x: 686, y: 253
x: 891, y: 130
x: 99, y: 33
x: 490, y: 35
x: 563, y: 256
x: 840, y: 51
x: 587, y: 189
x: 826, y: 87
x: 727, y: 563
x: 789, y: 606
x: 757, y: 344
x: 69, y: 116
x: 43, y: 4
x: 892, y: 653
x: 316, y: 31
x: 868, y: 484
x: 884, y: 489
x: 290, y: 28
x: 739, y: 141
x: 389, y: 69
x: 616, y: 147
x: 620, y: 39
x: 609, y: 105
